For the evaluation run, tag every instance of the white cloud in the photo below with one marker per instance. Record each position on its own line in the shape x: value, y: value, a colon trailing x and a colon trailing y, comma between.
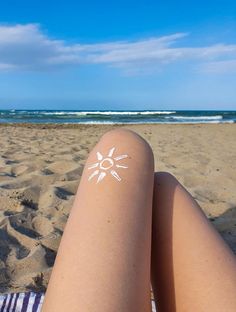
x: 227, y: 66
x: 27, y: 47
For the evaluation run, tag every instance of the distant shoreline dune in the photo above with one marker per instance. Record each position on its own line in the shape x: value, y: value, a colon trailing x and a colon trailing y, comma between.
x: 41, y: 166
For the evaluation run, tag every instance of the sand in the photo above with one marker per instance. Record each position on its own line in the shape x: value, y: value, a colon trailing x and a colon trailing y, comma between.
x: 40, y: 169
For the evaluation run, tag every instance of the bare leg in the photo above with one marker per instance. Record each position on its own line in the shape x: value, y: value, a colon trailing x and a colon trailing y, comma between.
x: 103, y: 262
x: 192, y: 267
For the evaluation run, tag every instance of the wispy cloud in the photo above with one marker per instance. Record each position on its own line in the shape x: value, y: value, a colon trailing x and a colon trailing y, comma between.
x: 27, y: 47
x: 220, y: 67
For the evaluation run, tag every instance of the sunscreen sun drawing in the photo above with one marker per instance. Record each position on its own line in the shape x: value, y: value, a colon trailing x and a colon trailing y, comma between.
x: 107, y: 165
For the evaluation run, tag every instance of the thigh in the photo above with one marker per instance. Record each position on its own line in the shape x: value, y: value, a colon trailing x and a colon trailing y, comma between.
x: 103, y: 262
x: 192, y: 267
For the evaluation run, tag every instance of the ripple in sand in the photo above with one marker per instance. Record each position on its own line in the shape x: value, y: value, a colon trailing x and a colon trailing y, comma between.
x: 29, y: 197
x: 10, y: 246
x: 19, y: 170
x: 16, y: 185
x: 42, y: 225
x: 62, y: 167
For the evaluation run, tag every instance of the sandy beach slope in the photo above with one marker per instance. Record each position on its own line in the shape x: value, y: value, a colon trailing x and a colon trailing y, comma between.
x: 40, y: 169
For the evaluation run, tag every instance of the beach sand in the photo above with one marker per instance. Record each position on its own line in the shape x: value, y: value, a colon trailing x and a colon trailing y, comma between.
x: 40, y: 169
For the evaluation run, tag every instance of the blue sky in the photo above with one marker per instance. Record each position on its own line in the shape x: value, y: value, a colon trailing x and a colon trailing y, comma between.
x: 129, y: 55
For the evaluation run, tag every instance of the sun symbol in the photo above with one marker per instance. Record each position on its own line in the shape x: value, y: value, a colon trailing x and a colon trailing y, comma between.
x: 106, y: 165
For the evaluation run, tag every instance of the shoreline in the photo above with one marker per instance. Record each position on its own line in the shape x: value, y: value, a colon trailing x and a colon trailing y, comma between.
x: 78, y: 125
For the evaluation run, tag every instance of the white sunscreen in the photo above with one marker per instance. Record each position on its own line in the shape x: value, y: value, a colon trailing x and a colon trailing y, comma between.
x: 107, y: 165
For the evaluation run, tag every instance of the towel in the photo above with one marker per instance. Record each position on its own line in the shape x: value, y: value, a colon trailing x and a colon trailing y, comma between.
x: 21, y: 302
x: 27, y: 302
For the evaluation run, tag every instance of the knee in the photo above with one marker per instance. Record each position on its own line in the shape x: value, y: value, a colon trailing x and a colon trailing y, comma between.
x: 126, y: 141
x: 165, y: 179
x: 128, y: 138
x: 119, y: 135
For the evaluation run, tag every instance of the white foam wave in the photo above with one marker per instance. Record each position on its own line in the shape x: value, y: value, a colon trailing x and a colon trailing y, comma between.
x: 157, y: 112
x: 85, y: 113
x: 151, y: 122
x: 217, y: 117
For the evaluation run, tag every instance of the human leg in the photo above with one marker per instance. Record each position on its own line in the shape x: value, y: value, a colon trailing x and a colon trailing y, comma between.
x: 192, y: 267
x: 103, y: 261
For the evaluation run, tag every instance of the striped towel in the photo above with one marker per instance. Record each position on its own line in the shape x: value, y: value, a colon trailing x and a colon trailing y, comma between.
x: 21, y: 302
x: 27, y: 302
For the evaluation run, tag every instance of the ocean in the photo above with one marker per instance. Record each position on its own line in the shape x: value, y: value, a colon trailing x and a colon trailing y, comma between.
x: 116, y: 117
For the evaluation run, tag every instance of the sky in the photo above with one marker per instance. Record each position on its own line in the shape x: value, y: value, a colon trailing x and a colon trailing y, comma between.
x: 126, y: 55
